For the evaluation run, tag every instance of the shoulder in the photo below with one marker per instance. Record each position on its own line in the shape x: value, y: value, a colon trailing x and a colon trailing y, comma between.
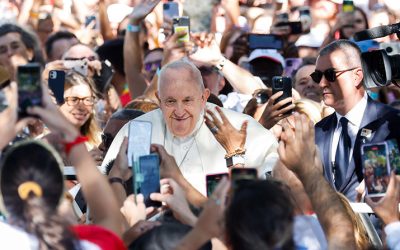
x: 325, y: 122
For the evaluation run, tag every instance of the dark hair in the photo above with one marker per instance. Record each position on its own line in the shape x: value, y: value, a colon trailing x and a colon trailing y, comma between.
x: 59, y: 35
x: 341, y: 44
x: 214, y: 99
x: 113, y: 51
x: 126, y: 114
x: 266, y: 69
x: 37, y: 214
x: 260, y: 216
x: 29, y: 39
x: 163, y: 237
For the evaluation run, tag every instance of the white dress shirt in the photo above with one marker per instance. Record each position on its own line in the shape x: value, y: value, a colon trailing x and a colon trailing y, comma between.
x: 354, y: 116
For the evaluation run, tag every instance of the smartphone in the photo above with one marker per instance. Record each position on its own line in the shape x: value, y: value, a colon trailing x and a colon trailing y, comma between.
x: 79, y: 66
x: 139, y: 141
x: 292, y: 64
x: 29, y: 87
x: 103, y: 80
x: 282, y: 83
x: 265, y: 41
x: 147, y: 178
x: 305, y: 19
x: 170, y: 9
x: 182, y: 24
x: 56, y: 84
x: 394, y: 155
x: 348, y: 6
x: 376, y: 168
x: 212, y: 181
x: 89, y: 20
x: 295, y: 27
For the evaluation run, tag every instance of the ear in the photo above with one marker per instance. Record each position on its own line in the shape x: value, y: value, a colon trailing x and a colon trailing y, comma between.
x: 359, y: 75
x: 206, y: 94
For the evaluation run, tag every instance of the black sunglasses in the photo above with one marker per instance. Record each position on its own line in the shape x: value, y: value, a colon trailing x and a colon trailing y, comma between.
x: 330, y: 74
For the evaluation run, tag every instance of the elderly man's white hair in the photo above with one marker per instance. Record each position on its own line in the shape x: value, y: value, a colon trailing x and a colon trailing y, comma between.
x: 182, y: 64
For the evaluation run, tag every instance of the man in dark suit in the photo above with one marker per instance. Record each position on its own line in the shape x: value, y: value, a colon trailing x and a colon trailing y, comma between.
x: 357, y: 118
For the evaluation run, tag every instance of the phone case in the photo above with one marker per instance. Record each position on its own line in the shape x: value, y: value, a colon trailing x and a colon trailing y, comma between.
x: 139, y: 141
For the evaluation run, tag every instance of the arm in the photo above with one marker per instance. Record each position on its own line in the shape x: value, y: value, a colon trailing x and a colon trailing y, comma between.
x: 169, y: 169
x: 241, y: 80
x: 105, y: 27
x: 298, y: 152
x: 104, y: 209
x: 133, y: 61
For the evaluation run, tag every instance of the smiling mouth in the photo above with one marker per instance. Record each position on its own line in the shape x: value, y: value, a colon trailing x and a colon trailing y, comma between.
x: 180, y: 119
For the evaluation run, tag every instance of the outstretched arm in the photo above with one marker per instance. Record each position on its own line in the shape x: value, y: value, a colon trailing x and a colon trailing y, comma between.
x: 299, y: 153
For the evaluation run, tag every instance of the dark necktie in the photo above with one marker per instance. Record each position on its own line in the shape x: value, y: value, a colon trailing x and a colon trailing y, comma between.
x: 342, y: 154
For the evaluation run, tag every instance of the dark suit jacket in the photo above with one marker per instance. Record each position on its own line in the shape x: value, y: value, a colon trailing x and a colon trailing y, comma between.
x: 381, y: 120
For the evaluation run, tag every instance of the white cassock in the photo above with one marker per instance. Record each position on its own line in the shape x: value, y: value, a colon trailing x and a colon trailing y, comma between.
x: 200, y: 153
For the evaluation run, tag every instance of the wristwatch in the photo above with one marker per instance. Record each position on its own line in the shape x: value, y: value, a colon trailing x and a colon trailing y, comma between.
x: 233, y: 160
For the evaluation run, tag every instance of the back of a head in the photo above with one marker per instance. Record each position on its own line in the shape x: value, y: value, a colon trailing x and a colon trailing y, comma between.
x: 166, y: 236
x: 59, y: 35
x: 260, y: 216
x: 32, y: 184
x: 113, y: 51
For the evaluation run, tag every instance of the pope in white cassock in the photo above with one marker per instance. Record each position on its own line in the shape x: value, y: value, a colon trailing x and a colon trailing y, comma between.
x: 179, y: 126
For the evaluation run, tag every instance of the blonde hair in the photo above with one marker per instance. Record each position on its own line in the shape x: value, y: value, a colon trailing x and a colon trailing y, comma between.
x: 360, y: 233
x: 311, y: 109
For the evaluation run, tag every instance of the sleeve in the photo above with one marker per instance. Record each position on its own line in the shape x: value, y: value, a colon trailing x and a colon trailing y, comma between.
x: 392, y: 231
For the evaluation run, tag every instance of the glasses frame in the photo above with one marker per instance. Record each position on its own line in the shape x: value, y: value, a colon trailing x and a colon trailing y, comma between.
x: 67, y: 100
x: 330, y: 74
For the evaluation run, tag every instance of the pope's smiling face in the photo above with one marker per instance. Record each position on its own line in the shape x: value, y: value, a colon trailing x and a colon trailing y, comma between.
x: 182, y: 100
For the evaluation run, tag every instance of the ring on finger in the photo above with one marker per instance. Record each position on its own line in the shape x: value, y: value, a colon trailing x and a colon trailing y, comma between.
x: 214, y: 130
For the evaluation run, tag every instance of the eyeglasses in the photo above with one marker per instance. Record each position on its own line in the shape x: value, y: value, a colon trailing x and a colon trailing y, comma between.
x: 73, y: 100
x: 330, y: 74
x: 107, y: 139
x: 152, y: 65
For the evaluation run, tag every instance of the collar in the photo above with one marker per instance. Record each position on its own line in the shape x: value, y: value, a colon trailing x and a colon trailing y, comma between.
x: 356, y: 114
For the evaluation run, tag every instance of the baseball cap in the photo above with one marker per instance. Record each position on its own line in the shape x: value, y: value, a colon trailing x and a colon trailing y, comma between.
x: 271, y: 54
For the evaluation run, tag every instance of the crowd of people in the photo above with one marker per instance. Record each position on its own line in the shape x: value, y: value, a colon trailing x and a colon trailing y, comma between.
x: 288, y: 163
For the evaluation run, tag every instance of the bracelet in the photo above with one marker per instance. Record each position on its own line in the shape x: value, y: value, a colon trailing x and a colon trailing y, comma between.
x: 119, y: 180
x: 239, y: 151
x: 78, y: 140
x: 235, y: 161
x: 221, y: 63
x: 133, y: 28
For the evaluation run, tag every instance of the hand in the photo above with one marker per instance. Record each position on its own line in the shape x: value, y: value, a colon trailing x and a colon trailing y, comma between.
x: 175, y: 50
x: 142, y: 10
x: 120, y: 168
x: 53, y: 118
x: 210, y: 222
x: 297, y: 149
x: 168, y: 166
x: 97, y: 155
x: 208, y: 51
x: 272, y: 113
x: 135, y: 211
x: 175, y: 199
x: 387, y: 208
x: 54, y: 65
x: 230, y: 138
x: 167, y: 27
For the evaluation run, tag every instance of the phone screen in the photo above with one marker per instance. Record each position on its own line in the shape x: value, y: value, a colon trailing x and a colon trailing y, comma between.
x: 56, y: 84
x: 182, y: 24
x: 295, y: 27
x: 394, y: 155
x: 376, y: 168
x: 212, y: 181
x: 265, y: 41
x: 139, y: 141
x: 29, y: 87
x: 147, y: 179
x: 170, y: 9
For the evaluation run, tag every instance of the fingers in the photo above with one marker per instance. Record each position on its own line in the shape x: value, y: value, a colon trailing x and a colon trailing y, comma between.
x: 124, y: 146
x: 158, y: 197
x: 214, y: 120
x: 243, y: 128
x: 222, y: 115
x: 139, y: 199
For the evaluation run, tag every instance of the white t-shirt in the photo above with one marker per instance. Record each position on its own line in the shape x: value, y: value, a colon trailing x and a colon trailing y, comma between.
x: 308, y: 233
x: 14, y: 238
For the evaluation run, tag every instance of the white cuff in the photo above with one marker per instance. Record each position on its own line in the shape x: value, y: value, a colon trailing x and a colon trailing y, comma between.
x: 392, y: 231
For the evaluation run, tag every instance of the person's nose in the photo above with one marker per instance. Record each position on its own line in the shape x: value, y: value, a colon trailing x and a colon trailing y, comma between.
x: 179, y: 109
x: 323, y: 83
